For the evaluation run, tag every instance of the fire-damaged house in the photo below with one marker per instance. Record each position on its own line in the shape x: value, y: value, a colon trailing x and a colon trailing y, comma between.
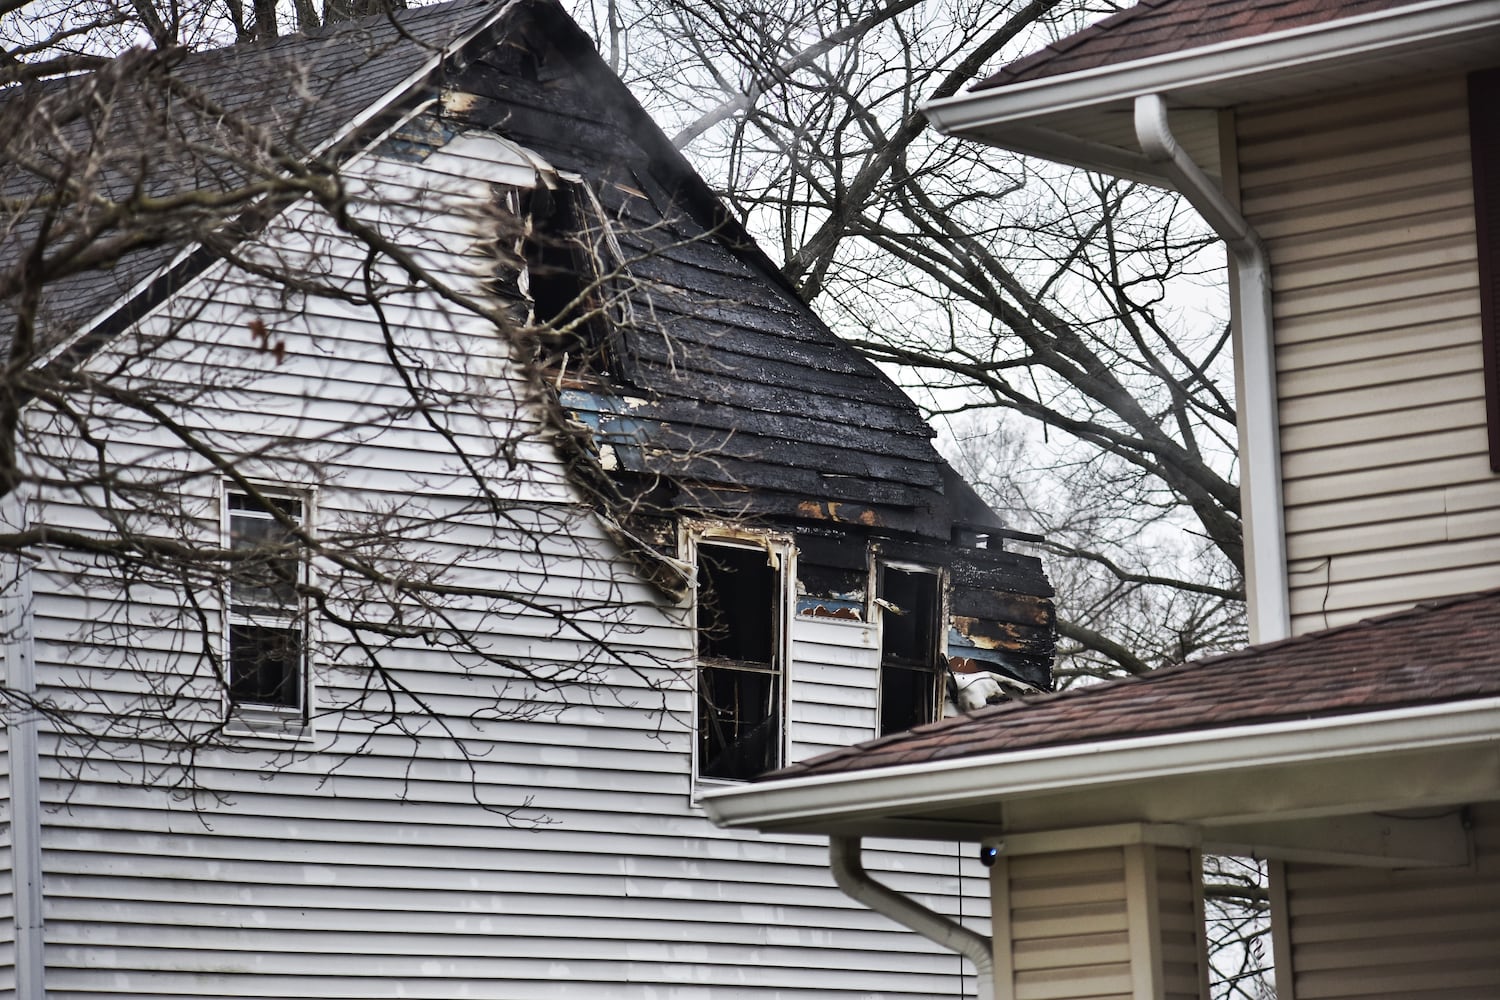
x: 399, y: 547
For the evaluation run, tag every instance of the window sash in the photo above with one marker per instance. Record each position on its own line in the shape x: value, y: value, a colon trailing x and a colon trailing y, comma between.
x: 265, y: 632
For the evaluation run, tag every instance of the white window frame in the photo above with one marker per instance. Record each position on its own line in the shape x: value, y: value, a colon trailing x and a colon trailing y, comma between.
x: 781, y: 553
x: 268, y: 719
x: 878, y: 614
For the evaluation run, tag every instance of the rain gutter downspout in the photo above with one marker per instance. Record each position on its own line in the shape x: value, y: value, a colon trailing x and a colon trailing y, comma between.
x: 856, y: 883
x: 1260, y: 461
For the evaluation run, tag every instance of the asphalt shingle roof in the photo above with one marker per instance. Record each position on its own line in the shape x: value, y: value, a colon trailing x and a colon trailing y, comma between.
x: 1436, y: 652
x: 752, y: 399
x: 1162, y: 27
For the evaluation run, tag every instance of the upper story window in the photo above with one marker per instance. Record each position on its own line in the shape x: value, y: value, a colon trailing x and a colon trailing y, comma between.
x: 266, y: 631
x: 741, y: 627
x: 911, y: 646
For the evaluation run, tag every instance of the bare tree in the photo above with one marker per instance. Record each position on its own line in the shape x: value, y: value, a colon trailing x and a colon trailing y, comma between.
x: 1090, y: 309
x: 1068, y: 330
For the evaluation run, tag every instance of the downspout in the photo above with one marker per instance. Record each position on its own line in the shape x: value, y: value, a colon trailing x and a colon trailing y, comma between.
x: 25, y: 791
x: 856, y: 883
x: 1260, y: 460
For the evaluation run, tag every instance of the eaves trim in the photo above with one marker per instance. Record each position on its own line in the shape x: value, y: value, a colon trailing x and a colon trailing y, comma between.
x: 808, y: 803
x: 1354, y: 39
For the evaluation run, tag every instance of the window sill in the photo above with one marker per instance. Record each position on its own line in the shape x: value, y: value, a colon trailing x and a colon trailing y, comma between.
x: 268, y: 722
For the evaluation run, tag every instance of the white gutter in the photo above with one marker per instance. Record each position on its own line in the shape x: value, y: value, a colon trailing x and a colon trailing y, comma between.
x: 849, y: 872
x: 812, y: 802
x: 1365, y: 38
x: 1261, y: 511
x: 25, y: 789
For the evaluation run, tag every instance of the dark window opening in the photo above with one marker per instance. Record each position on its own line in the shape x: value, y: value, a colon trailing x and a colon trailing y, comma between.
x: 739, y: 669
x: 910, y: 650
x: 266, y: 635
x: 563, y: 271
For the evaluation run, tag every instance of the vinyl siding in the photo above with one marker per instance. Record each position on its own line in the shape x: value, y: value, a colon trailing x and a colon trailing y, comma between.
x: 462, y: 852
x: 1366, y: 206
x: 1110, y: 923
x: 1383, y: 935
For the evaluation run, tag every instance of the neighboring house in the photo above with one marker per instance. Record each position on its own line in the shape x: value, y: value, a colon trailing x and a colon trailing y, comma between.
x: 396, y: 562
x: 1347, y: 152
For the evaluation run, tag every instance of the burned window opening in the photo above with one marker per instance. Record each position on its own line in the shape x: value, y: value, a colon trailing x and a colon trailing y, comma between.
x: 740, y: 675
x: 910, y: 604
x: 562, y: 257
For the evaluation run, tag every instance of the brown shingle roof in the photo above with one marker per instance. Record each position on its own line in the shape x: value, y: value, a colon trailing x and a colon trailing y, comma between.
x: 1161, y: 27
x: 1438, y: 652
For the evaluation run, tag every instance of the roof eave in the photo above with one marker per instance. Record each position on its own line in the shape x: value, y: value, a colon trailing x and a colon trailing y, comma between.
x: 1211, y: 75
x: 163, y: 277
x: 1277, y: 770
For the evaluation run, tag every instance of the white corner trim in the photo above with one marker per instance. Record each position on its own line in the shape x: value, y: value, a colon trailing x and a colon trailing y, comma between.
x: 807, y: 802
x: 1351, y: 39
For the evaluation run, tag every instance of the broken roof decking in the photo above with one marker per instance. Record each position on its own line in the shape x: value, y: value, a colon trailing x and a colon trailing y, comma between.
x: 1162, y: 27
x: 1446, y: 651
x: 727, y: 383
x: 725, y: 378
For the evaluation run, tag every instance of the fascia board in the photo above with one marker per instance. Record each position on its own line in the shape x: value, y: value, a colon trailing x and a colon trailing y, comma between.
x: 1369, y: 37
x: 808, y: 804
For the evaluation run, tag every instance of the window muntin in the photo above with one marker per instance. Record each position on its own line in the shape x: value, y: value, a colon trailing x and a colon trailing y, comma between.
x: 266, y: 633
x: 741, y: 680
x: 911, y: 645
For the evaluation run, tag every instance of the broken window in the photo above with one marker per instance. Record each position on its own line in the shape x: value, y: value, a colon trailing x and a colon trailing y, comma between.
x: 740, y: 675
x: 910, y: 603
x: 266, y: 629
x: 561, y: 254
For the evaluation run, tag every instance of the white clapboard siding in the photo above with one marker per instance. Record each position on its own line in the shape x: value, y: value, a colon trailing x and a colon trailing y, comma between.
x: 1382, y: 935
x: 474, y: 850
x: 1366, y: 204
x: 835, y: 668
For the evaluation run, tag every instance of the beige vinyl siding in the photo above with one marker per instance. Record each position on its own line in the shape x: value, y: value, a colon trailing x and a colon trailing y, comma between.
x: 554, y: 856
x: 1366, y: 206
x: 1111, y: 923
x: 1062, y: 929
x: 1383, y: 935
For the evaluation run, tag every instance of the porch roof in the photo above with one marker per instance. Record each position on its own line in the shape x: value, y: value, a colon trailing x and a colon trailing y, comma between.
x: 1389, y: 713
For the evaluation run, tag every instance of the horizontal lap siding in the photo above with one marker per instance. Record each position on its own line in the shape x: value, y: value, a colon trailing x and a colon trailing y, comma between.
x: 1366, y: 206
x: 470, y: 856
x: 1393, y: 935
x: 1068, y: 925
x: 835, y: 667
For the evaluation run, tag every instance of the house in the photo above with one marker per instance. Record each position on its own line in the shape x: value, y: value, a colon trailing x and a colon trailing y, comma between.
x: 418, y: 491
x: 1346, y: 153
